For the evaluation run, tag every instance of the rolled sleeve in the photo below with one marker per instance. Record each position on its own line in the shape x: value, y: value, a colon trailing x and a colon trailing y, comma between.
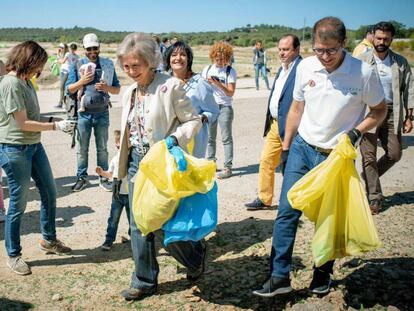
x: 190, y: 121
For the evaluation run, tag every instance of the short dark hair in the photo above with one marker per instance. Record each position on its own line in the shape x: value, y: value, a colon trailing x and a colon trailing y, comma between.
x: 295, y: 39
x: 385, y: 27
x: 370, y: 29
x: 329, y: 28
x: 179, y: 45
x: 164, y: 40
x: 26, y: 57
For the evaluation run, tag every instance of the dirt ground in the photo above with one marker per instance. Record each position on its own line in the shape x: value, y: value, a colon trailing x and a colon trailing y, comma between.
x: 238, y: 251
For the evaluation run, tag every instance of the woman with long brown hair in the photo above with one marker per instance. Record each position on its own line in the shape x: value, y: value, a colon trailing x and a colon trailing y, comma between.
x: 22, y: 155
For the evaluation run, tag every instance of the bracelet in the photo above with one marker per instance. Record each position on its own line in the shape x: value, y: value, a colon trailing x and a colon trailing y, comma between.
x: 50, y: 119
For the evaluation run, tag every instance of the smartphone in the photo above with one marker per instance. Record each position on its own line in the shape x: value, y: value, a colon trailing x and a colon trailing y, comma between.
x: 215, y: 78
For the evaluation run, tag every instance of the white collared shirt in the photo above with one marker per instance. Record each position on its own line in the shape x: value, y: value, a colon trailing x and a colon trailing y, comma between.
x: 279, y: 84
x: 385, y: 75
x: 334, y: 102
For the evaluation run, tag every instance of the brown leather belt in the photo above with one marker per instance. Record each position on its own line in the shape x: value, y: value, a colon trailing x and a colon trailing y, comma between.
x: 321, y: 150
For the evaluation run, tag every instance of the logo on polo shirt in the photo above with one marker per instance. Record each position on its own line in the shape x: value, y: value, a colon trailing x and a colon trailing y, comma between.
x: 311, y: 83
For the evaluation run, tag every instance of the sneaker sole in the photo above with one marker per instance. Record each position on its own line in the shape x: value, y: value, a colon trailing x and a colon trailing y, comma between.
x: 48, y: 251
x: 109, y: 190
x: 322, y: 292
x: 81, y: 188
x: 279, y: 291
x: 17, y: 272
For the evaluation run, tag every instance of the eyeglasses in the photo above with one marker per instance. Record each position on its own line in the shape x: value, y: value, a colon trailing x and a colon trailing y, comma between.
x: 329, y: 52
x: 93, y: 48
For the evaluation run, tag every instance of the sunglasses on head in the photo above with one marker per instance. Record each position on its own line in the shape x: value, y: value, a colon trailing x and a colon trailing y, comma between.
x: 93, y: 48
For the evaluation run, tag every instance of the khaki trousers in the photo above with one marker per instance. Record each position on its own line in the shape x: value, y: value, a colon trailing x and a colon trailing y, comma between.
x: 268, y: 162
x: 373, y: 169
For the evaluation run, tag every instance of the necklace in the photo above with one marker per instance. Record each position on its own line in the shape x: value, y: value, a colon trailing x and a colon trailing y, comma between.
x: 143, y: 89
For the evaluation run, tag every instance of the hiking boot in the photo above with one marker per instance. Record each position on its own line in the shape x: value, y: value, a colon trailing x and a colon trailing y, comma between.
x: 18, y: 265
x: 194, y: 274
x: 272, y: 287
x: 375, y: 206
x: 105, y: 184
x: 226, y: 173
x: 256, y: 205
x: 136, y: 293
x: 321, y: 282
x: 55, y: 247
x: 106, y: 246
x: 80, y: 184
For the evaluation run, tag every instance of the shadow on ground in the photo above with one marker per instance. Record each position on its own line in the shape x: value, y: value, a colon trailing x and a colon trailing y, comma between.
x: 15, y: 305
x: 398, y: 198
x: 64, y: 218
x: 63, y: 187
x: 383, y: 281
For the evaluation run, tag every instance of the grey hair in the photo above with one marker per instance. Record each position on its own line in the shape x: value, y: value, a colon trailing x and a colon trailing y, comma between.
x: 141, y: 44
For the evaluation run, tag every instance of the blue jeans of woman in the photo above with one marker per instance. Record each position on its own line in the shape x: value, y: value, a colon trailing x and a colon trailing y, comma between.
x: 99, y: 122
x: 225, y: 120
x: 116, y: 210
x: 302, y: 158
x: 260, y: 68
x: 190, y: 254
x: 63, y: 78
x: 20, y: 162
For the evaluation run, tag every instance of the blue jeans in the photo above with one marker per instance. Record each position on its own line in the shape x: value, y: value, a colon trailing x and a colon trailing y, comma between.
x: 225, y: 120
x: 99, y: 122
x: 113, y: 220
x: 257, y: 69
x: 190, y: 254
x: 302, y: 158
x: 20, y: 162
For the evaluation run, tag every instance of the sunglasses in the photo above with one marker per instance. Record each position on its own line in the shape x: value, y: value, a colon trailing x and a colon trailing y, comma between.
x: 93, y: 48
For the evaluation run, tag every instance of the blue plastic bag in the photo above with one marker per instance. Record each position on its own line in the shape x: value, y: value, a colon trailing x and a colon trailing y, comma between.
x: 196, y: 217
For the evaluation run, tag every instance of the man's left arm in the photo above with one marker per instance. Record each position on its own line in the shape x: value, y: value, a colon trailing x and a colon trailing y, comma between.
x: 408, y: 99
x: 374, y: 117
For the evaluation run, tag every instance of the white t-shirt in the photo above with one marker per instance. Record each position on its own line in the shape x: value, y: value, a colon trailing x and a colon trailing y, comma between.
x: 221, y: 72
x: 385, y: 75
x: 113, y: 167
x: 279, y: 85
x: 334, y: 102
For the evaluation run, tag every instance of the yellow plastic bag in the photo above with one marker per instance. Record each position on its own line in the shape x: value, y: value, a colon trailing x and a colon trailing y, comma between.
x: 159, y: 186
x: 332, y: 196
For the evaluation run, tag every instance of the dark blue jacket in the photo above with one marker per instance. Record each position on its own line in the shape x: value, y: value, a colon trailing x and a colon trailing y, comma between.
x: 286, y: 98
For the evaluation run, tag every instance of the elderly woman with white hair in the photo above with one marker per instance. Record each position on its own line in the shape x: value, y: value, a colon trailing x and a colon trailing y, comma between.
x: 155, y: 107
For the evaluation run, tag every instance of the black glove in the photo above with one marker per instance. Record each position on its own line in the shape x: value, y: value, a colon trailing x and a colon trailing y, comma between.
x: 354, y: 136
x: 283, y: 160
x: 116, y: 187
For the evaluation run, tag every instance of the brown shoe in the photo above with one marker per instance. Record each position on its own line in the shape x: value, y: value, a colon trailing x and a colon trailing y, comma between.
x: 136, y: 293
x: 55, y: 247
x: 375, y: 206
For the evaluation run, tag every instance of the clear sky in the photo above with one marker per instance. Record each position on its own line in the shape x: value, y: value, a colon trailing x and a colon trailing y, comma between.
x: 198, y: 15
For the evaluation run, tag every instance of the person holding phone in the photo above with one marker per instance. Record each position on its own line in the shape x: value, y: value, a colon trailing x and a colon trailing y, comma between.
x: 222, y: 79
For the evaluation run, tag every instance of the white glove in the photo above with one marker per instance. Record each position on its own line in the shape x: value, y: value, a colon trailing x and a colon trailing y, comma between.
x: 66, y: 126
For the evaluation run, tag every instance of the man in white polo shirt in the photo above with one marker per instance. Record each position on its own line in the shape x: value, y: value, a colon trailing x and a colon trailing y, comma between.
x: 332, y: 91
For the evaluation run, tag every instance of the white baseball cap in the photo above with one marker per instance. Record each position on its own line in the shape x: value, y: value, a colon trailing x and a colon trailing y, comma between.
x: 61, y: 45
x: 90, y: 40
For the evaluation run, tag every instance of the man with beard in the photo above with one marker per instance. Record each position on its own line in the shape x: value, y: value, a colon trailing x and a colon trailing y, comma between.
x: 397, y: 82
x: 95, y: 85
